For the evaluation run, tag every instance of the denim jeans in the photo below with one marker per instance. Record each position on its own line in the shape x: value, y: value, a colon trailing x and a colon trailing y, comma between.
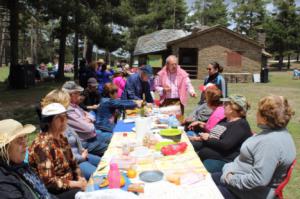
x: 98, y: 144
x: 89, y: 166
x: 213, y: 166
x: 222, y: 187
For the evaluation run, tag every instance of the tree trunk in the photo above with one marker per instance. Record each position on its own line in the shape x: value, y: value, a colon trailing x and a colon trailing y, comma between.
x: 131, y: 58
x: 62, y: 48
x: 2, y: 37
x: 280, y: 63
x: 107, y: 57
x: 289, y: 61
x: 76, y: 56
x: 89, y: 51
x: 14, y: 36
x: 298, y: 55
x: 34, y: 43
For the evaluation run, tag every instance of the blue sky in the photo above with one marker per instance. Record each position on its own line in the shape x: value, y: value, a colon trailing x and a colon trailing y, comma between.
x: 230, y: 5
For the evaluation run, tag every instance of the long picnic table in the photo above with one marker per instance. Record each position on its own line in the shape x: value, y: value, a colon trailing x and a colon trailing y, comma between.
x: 185, y: 162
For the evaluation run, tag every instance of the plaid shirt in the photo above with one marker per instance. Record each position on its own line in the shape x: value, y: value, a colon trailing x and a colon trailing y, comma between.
x: 53, y: 161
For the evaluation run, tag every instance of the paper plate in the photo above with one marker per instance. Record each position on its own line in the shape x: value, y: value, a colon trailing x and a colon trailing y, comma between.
x: 151, y: 176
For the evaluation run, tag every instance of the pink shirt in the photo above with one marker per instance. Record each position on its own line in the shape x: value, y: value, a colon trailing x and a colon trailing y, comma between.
x: 216, y: 116
x: 172, y: 81
x: 120, y: 82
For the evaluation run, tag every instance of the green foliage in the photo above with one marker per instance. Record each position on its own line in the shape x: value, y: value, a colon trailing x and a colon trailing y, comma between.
x: 148, y: 16
x: 249, y: 16
x: 282, y: 29
x: 209, y: 13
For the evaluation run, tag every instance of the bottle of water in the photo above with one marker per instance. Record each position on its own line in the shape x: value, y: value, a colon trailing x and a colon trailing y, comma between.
x: 114, y: 176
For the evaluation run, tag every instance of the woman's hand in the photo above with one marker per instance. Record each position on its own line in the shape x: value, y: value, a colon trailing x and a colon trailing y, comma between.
x: 138, y: 103
x: 195, y: 138
x: 202, y: 124
x: 85, y: 154
x: 93, y: 107
x: 204, y: 136
x: 81, y: 183
x: 193, y: 124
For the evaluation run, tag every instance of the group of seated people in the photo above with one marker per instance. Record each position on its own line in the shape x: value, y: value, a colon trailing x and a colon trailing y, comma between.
x: 75, y: 134
x: 244, y: 164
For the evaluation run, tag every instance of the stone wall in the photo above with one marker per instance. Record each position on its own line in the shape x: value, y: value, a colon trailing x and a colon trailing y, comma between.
x: 214, y: 46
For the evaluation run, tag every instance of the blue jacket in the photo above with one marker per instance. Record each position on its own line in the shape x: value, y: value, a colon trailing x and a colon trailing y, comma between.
x: 107, y: 111
x: 219, y: 81
x: 135, y: 88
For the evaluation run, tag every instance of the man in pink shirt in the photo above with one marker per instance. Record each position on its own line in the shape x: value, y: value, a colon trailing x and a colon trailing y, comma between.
x: 173, y: 84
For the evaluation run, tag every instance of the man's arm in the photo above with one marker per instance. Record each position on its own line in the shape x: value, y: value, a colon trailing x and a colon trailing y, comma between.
x: 157, y: 86
x: 190, y: 87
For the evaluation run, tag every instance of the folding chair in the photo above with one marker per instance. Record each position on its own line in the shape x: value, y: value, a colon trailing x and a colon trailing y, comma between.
x: 281, y: 186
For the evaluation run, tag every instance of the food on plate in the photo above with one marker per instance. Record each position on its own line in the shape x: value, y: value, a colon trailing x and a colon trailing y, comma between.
x: 131, y: 173
x: 174, y: 178
x: 136, y: 187
x: 132, y: 112
x: 173, y: 149
x: 105, y: 182
x: 185, y: 178
x: 122, y: 181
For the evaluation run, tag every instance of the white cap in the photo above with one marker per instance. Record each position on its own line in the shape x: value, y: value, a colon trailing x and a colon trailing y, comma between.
x: 53, y: 109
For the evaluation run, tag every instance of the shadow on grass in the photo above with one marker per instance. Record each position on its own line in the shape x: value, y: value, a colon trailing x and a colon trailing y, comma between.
x: 19, y: 104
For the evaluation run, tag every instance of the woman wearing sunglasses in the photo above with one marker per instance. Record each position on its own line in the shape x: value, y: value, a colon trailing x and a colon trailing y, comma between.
x: 51, y: 156
x: 214, y: 70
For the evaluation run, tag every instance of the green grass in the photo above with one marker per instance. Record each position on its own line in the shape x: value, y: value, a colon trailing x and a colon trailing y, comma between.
x: 19, y: 105
x: 3, y: 73
x: 281, y: 83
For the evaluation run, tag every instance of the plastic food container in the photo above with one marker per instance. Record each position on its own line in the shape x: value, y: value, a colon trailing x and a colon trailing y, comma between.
x: 173, y: 134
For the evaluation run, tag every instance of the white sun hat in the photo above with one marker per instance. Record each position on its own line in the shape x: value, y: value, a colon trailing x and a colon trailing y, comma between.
x: 53, y: 109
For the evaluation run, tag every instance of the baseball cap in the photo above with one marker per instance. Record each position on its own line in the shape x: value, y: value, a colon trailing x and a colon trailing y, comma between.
x: 92, y: 81
x: 71, y: 86
x: 147, y: 69
x: 237, y: 99
x: 53, y: 109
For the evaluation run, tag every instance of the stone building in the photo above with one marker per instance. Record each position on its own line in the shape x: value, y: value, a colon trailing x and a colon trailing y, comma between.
x: 237, y: 53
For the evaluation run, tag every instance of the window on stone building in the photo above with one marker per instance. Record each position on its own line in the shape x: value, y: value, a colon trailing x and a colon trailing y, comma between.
x: 234, y: 59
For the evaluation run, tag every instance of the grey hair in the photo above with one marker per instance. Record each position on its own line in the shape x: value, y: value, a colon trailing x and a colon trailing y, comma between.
x: 4, y: 154
x: 171, y: 57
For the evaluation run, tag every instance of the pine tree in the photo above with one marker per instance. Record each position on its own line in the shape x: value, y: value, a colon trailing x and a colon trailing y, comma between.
x: 281, y: 29
x: 209, y: 13
x: 249, y: 16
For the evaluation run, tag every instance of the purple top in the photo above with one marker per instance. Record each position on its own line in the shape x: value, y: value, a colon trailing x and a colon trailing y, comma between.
x: 81, y: 122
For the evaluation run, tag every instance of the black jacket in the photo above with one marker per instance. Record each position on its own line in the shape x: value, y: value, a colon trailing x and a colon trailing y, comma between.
x: 13, y: 185
x: 228, y: 146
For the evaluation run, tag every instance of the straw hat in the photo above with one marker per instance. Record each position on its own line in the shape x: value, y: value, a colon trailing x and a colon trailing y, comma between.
x: 100, y: 61
x: 11, y: 129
